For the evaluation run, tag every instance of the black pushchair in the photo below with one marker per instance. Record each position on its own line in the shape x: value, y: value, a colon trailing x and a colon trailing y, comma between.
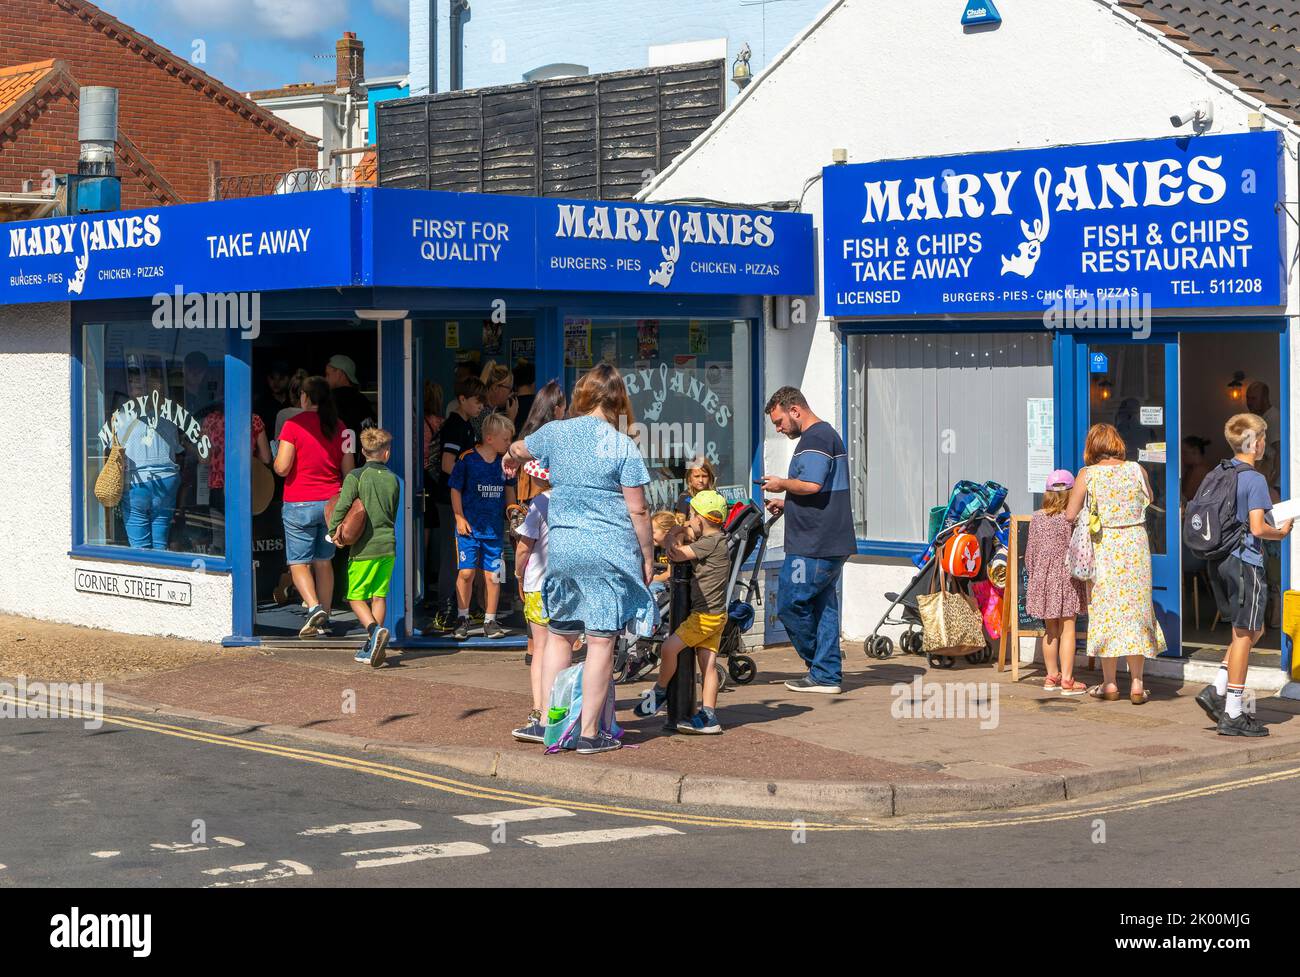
x: 970, y: 507
x: 746, y: 530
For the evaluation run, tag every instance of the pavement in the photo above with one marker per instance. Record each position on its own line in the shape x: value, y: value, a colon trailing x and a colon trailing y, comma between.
x: 966, y: 739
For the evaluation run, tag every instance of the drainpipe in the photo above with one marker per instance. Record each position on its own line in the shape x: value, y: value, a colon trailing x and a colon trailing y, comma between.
x: 459, y: 8
x: 433, y: 49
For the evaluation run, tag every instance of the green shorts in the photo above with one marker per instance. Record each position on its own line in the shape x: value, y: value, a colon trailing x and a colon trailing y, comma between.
x: 369, y: 578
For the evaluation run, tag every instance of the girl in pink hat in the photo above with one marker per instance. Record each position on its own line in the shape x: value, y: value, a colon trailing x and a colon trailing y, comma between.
x: 1054, y: 596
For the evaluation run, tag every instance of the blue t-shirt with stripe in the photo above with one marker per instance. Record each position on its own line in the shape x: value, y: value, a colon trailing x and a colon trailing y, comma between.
x: 820, y: 525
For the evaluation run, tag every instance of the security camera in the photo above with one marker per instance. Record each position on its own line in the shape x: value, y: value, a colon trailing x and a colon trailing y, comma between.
x: 1200, y: 114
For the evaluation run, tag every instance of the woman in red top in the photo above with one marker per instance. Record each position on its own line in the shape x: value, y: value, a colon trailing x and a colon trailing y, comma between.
x: 313, y: 459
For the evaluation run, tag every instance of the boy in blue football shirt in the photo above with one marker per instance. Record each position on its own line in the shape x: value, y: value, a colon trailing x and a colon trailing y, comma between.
x: 480, y: 493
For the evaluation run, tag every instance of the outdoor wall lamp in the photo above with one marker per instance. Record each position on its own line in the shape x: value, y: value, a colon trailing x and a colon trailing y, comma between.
x: 741, y: 75
x: 1235, y: 385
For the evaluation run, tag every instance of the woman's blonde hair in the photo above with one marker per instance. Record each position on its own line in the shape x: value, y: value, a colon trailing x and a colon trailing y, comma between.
x: 1055, y: 501
x: 494, y: 373
x: 1244, y: 432
x: 1103, y: 442
x: 602, y: 388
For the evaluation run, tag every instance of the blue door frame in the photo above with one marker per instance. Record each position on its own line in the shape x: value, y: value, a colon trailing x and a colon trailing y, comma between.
x: 1071, y: 388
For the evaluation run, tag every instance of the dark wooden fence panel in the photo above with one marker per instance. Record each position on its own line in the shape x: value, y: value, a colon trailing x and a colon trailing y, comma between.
x: 599, y: 136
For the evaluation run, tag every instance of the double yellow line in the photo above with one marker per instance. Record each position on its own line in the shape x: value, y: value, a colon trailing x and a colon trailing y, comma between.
x: 463, y: 789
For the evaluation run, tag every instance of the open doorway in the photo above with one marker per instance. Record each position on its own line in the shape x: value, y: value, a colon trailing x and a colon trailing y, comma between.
x: 1222, y: 374
x: 347, y: 355
x: 502, y: 358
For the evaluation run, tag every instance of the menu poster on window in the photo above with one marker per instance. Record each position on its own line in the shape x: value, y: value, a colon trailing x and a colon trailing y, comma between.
x: 523, y: 350
x: 647, y: 339
x: 683, y: 362
x: 451, y: 335
x: 491, y: 338
x: 697, y: 337
x: 577, y: 342
x: 1041, y: 442
x: 609, y: 350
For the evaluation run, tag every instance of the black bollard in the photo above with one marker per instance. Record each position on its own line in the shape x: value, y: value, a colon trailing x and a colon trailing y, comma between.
x: 681, y: 689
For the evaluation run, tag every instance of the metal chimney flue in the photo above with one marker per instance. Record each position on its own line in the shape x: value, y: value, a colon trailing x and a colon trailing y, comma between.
x: 97, y: 131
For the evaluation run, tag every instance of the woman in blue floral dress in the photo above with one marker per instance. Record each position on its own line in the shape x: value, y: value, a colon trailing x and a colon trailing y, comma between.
x: 600, y: 557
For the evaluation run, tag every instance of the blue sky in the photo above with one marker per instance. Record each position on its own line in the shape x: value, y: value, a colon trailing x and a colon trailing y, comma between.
x: 255, y: 44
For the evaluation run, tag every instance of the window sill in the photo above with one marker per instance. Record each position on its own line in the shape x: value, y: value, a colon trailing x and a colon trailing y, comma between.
x: 152, y: 558
x: 890, y: 548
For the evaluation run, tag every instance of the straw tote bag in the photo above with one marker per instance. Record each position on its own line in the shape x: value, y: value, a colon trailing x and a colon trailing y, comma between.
x: 111, y: 480
x: 951, y: 624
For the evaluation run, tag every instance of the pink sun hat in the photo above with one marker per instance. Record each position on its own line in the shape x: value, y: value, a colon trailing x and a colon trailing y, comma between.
x: 1060, y: 480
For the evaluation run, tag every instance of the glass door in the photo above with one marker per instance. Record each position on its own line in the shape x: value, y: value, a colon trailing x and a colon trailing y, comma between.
x: 1134, y: 386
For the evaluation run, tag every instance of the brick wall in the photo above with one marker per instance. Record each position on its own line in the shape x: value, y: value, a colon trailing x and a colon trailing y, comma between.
x: 177, y: 126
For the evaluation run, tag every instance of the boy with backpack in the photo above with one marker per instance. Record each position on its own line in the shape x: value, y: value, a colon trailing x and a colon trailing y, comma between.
x: 702, y: 542
x: 1225, y: 524
x: 370, y: 558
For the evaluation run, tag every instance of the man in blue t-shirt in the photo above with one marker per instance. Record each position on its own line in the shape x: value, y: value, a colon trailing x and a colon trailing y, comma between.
x: 1240, y: 585
x: 480, y: 493
x: 819, y: 537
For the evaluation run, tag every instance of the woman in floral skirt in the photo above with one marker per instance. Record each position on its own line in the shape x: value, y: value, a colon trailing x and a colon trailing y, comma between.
x: 1121, y: 617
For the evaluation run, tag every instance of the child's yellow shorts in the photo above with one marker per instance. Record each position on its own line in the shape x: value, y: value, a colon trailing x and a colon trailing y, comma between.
x: 702, y: 630
x: 535, y: 608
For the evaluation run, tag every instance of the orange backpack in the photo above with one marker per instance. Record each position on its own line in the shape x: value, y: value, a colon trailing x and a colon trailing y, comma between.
x: 961, y: 555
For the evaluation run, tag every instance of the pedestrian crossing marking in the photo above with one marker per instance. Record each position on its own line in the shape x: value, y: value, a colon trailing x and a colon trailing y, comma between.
x: 517, y: 814
x: 105, y: 854
x: 361, y: 828
x: 283, y: 869
x: 565, y: 838
x: 402, y: 854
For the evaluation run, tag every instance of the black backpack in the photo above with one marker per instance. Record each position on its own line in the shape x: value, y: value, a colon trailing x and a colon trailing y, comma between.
x: 1211, y: 529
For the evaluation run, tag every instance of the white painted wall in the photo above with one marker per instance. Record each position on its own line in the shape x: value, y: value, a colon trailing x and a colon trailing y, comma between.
x: 36, y: 573
x: 891, y: 80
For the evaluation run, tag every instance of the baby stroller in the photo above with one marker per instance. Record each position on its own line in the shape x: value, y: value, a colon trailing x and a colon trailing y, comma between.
x: 973, y: 508
x: 745, y: 529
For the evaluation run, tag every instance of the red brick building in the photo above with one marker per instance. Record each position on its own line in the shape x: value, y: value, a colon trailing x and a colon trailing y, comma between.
x: 173, y: 118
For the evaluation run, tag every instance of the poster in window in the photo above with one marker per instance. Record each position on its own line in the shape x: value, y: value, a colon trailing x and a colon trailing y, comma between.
x: 647, y: 339
x: 577, y: 342
x: 609, y: 350
x: 451, y: 335
x: 491, y: 338
x: 697, y: 337
x: 523, y: 349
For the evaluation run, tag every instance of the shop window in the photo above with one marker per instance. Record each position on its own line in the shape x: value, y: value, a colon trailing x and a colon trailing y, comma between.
x: 161, y: 392
x: 689, y: 380
x: 927, y: 410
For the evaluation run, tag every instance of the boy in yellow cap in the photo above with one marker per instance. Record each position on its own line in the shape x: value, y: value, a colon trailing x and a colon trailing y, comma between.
x: 702, y: 542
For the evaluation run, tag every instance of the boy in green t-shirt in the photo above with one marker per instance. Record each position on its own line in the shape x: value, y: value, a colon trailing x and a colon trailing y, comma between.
x: 370, y: 558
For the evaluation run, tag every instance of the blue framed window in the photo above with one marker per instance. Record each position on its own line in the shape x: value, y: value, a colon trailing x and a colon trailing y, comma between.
x: 691, y: 385
x: 157, y: 394
x: 926, y: 409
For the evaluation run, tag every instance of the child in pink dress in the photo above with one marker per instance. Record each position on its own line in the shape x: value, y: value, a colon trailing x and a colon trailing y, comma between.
x: 1054, y: 596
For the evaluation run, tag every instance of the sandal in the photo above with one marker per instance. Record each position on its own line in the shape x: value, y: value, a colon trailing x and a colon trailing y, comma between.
x: 1139, y: 698
x: 1051, y: 683
x: 1097, y: 692
x: 1072, y: 686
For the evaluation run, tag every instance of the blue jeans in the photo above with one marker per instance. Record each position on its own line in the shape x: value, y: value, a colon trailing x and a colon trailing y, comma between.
x: 808, y: 603
x: 304, y: 533
x: 147, y: 511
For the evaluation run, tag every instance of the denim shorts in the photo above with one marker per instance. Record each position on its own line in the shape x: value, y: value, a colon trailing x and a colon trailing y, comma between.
x: 304, y: 533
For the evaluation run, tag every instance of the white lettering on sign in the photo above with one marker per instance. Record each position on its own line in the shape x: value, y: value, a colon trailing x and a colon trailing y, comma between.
x: 99, y: 234
x: 137, y: 588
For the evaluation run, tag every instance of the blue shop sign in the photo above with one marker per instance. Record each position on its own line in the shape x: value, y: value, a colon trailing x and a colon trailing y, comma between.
x: 433, y: 239
x: 257, y: 244
x: 1168, y: 223
x: 427, y: 239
